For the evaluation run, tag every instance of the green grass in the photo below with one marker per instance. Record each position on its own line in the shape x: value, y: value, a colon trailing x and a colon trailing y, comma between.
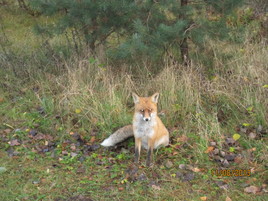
x: 61, y: 99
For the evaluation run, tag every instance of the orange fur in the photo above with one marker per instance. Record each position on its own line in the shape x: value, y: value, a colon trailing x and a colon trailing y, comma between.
x: 149, y: 131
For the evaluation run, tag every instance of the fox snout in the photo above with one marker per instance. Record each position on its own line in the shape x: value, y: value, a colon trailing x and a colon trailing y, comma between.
x: 146, y: 118
x: 146, y: 115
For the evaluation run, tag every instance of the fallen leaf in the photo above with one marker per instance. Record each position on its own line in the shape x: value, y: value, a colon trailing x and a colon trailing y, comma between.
x: 203, y: 198
x: 71, y: 133
x: 14, y: 142
x: 92, y: 140
x: 231, y: 149
x: 196, y: 169
x: 252, y: 189
x: 183, y: 138
x: 156, y: 187
x: 77, y: 111
x: 238, y: 159
x: 228, y: 199
x: 120, y: 188
x: 252, y: 149
x: 209, y: 149
x: 236, y: 136
x: 73, y: 147
x: 7, y: 131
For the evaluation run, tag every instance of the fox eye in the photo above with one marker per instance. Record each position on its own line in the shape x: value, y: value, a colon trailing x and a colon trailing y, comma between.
x: 150, y: 110
x: 142, y: 110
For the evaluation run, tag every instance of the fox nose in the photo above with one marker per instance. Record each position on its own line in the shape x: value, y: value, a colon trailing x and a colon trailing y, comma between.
x: 146, y: 119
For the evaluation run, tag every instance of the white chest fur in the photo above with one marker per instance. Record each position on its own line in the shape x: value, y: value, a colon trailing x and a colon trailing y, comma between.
x: 144, y: 129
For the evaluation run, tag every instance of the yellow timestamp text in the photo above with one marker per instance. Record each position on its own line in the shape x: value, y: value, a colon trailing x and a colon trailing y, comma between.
x: 231, y: 173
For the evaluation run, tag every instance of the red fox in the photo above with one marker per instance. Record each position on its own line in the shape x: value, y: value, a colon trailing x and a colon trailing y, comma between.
x: 147, y: 128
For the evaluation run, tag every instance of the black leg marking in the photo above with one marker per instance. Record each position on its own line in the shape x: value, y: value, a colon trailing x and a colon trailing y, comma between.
x: 137, y: 154
x: 149, y: 157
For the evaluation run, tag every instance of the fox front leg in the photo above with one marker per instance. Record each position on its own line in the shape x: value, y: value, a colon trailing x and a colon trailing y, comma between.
x: 150, y: 152
x: 137, y: 149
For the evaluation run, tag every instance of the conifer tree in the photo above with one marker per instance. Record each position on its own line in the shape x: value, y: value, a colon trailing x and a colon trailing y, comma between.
x: 95, y: 19
x: 167, y: 25
x: 149, y: 28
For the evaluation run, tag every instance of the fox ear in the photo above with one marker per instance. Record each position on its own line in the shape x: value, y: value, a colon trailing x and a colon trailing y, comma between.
x: 155, y: 97
x: 136, y: 98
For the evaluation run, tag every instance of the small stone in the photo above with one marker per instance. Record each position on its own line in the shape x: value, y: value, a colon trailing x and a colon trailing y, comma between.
x: 225, y: 163
x: 36, y: 182
x: 252, y: 189
x: 33, y: 132
x: 230, y: 141
x: 218, y: 158
x: 142, y: 177
x: 73, y: 154
x: 94, y: 147
x: 222, y: 185
x: 216, y: 151
x: 252, y: 135
x: 169, y: 164
x: 179, y: 174
x: 213, y: 144
x: 222, y: 153
x: 243, y: 130
x: 182, y: 166
x: 188, y: 176
x: 230, y: 157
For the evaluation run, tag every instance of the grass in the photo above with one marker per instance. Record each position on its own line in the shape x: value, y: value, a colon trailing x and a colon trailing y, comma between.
x: 74, y: 107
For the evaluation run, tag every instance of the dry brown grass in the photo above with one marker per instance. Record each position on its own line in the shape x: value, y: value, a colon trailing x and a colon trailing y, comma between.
x: 189, y: 99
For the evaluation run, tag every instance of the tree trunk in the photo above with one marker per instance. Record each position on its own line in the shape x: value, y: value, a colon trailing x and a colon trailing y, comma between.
x: 184, y: 52
x: 184, y: 44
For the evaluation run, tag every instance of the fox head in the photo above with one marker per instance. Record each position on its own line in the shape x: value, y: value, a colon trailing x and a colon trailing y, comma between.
x: 146, y: 107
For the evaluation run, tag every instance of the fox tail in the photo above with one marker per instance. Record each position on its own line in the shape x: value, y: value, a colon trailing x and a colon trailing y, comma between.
x: 118, y: 136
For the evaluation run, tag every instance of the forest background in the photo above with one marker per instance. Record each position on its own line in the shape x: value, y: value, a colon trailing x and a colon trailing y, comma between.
x: 67, y: 70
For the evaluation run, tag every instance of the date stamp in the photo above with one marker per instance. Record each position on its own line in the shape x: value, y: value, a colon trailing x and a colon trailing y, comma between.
x: 231, y: 173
